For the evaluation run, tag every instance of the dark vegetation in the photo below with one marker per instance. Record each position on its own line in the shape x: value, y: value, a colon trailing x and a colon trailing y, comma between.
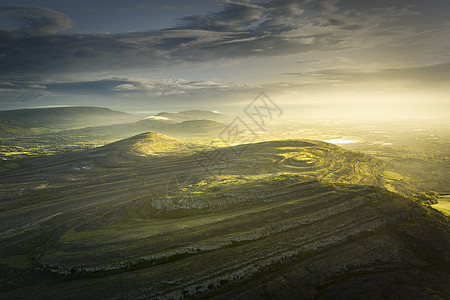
x: 152, y: 216
x: 63, y: 117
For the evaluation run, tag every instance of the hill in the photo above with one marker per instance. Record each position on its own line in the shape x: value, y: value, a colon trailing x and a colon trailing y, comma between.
x: 292, y: 219
x: 63, y: 117
x: 18, y: 142
x: 148, y: 144
x: 193, y: 115
x: 13, y: 131
x: 191, y: 128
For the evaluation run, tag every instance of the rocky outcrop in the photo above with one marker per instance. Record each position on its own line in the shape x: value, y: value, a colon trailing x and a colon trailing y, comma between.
x: 289, y: 219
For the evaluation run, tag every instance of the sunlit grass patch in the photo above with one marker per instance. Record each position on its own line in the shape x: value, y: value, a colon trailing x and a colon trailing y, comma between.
x: 443, y: 204
x: 390, y: 175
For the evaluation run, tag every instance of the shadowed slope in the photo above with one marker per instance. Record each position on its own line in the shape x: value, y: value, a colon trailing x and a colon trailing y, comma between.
x: 64, y: 117
x: 303, y: 218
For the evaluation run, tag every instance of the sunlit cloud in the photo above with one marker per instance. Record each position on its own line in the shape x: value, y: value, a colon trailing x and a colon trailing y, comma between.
x: 284, y: 47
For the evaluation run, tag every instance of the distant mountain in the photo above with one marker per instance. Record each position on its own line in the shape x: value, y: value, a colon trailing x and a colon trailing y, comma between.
x: 119, y: 131
x: 193, y: 115
x: 34, y: 138
x: 64, y: 117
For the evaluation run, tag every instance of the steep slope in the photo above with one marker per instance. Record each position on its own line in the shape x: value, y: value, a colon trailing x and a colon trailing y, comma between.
x: 150, y: 143
x: 13, y: 131
x: 283, y: 219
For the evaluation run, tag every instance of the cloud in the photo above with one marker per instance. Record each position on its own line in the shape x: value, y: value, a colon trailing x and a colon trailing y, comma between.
x: 280, y: 14
x: 156, y: 118
x: 168, y: 93
x: 234, y: 16
x: 25, y: 98
x: 162, y: 87
x: 325, y: 60
x: 123, y: 86
x: 240, y: 30
x: 36, y: 20
x: 427, y: 75
x: 123, y: 93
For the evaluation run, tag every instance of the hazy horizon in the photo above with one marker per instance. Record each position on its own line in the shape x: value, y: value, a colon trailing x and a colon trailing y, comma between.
x: 316, y: 59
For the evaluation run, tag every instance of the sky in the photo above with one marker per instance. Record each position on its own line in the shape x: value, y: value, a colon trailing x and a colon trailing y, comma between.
x: 312, y: 57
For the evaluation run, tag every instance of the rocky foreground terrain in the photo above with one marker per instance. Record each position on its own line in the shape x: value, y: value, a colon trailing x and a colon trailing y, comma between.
x: 152, y: 217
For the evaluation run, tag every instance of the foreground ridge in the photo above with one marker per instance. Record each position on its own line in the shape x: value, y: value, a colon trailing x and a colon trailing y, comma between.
x: 291, y: 219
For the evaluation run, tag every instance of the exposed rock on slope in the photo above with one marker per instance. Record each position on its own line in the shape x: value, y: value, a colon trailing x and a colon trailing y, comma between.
x: 285, y: 219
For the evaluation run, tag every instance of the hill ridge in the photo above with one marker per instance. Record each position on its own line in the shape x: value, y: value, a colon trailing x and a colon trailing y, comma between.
x: 64, y: 117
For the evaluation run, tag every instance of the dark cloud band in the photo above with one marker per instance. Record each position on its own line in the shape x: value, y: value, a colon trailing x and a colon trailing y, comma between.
x: 36, y: 20
x: 240, y: 30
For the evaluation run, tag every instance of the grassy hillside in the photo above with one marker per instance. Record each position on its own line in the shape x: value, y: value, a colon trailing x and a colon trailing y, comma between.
x: 63, y: 117
x: 150, y: 144
x: 281, y: 219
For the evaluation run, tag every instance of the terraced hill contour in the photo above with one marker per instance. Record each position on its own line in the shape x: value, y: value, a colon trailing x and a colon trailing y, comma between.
x: 282, y: 219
